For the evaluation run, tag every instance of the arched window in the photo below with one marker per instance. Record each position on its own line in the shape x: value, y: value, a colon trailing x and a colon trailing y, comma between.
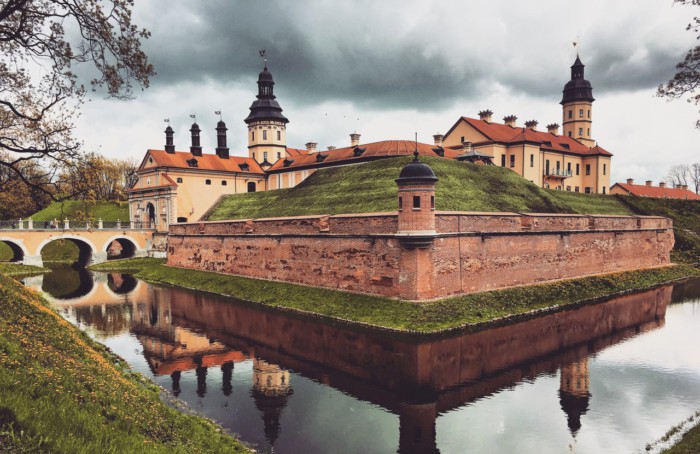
x: 251, y: 186
x: 223, y: 183
x: 208, y: 182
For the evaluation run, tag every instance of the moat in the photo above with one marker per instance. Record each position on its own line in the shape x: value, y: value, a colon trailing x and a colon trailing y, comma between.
x: 603, y: 378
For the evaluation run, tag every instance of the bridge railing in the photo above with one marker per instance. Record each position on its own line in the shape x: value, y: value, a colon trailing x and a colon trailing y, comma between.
x: 65, y: 224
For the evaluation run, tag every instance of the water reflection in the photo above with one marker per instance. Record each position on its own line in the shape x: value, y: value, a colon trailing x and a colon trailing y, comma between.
x: 192, y: 343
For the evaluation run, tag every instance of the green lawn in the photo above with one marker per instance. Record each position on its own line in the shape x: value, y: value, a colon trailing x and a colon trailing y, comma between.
x: 62, y: 392
x: 400, y: 315
x: 370, y: 187
x: 83, y: 210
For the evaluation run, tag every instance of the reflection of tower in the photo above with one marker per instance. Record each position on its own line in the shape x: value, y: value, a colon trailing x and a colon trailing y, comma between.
x: 175, y: 376
x: 201, y: 372
x: 227, y: 375
x: 270, y: 390
x: 417, y: 428
x: 573, y: 393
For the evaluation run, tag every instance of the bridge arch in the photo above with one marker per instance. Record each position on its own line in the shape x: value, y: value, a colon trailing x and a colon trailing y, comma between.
x: 86, y: 249
x: 128, y: 247
x: 19, y: 252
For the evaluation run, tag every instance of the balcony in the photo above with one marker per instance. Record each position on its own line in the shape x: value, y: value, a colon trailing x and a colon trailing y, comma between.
x: 557, y: 174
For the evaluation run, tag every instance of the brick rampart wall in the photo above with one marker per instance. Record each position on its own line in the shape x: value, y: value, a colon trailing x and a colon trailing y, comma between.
x: 471, y: 252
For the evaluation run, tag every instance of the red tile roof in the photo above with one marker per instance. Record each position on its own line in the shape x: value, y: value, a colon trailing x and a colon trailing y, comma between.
x: 642, y: 190
x: 499, y: 132
x: 296, y: 151
x: 205, y: 162
x: 375, y: 150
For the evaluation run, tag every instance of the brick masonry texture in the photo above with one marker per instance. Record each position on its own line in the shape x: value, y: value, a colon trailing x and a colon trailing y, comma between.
x: 471, y: 252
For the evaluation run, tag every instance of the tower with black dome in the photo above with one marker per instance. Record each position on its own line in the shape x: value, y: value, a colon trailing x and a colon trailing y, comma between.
x: 266, y: 124
x: 577, y: 104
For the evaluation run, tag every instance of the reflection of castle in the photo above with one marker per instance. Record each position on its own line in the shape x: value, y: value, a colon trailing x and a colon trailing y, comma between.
x: 270, y: 391
x: 573, y: 392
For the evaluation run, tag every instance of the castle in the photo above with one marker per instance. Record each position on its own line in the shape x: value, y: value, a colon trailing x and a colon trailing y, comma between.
x: 181, y: 186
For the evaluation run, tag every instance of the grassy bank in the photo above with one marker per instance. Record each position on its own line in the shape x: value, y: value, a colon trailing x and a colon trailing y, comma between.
x: 17, y: 269
x: 370, y: 187
x: 83, y: 210
x: 401, y: 315
x: 689, y: 443
x: 62, y: 392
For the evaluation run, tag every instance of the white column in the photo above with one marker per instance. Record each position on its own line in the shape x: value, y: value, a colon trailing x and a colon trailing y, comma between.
x: 21, y: 224
x: 66, y: 224
x: 30, y: 224
x: 99, y: 224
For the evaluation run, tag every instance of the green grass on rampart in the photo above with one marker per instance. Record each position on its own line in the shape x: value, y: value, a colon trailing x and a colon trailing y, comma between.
x: 80, y: 211
x: 370, y: 187
x: 401, y: 315
x: 62, y: 392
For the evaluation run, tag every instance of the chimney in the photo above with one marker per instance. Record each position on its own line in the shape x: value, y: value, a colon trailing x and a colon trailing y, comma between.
x: 485, y: 115
x: 467, y: 146
x: 195, y: 149
x: 438, y: 140
x: 331, y: 148
x: 553, y: 128
x: 169, y: 147
x: 684, y: 187
x: 354, y: 139
x: 630, y: 181
x: 531, y: 124
x: 311, y: 147
x: 221, y: 148
x: 662, y: 184
x: 648, y: 182
x: 510, y: 120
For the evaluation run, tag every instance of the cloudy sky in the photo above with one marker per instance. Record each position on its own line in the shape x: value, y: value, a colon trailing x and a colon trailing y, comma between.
x: 391, y: 68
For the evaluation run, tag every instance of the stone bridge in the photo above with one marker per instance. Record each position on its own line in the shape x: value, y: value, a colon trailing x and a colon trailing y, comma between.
x: 93, y: 243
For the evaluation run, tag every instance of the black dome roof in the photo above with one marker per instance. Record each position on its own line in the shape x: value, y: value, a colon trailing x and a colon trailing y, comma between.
x: 265, y: 75
x: 221, y: 124
x: 578, y: 88
x: 416, y: 172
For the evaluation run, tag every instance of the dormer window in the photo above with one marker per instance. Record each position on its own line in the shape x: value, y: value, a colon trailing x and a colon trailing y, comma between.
x: 320, y: 157
x: 288, y: 162
x: 192, y: 162
x: 244, y: 167
x: 357, y: 151
x: 439, y: 151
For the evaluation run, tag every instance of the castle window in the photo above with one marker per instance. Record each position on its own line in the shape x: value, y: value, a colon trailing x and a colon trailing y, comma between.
x: 576, y: 189
x: 264, y: 156
x: 252, y: 136
x: 587, y: 190
x: 578, y: 170
x: 532, y: 160
x: 605, y: 168
x: 588, y: 169
x: 208, y: 182
x: 279, y: 155
x: 603, y: 189
x: 416, y: 202
x: 512, y: 160
x: 546, y: 167
x: 462, y: 140
x: 503, y: 160
x: 179, y: 179
x: 568, y: 168
x: 580, y: 132
x: 251, y: 186
x: 223, y: 183
x: 580, y: 113
x: 589, y: 113
x: 571, y: 114
x: 400, y: 203
x: 279, y: 135
x: 264, y: 134
x: 568, y: 188
x: 588, y: 131
x: 569, y: 133
x: 432, y: 202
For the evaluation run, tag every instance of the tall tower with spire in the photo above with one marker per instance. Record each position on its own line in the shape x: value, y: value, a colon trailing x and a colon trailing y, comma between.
x: 577, y: 105
x: 266, y: 124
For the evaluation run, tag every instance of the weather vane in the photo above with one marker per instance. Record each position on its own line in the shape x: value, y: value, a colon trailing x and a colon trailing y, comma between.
x: 218, y: 112
x: 577, y: 44
x: 194, y: 117
x: 263, y: 55
x: 167, y: 120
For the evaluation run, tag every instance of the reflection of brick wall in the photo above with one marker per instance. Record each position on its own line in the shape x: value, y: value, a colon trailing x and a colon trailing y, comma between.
x: 471, y: 252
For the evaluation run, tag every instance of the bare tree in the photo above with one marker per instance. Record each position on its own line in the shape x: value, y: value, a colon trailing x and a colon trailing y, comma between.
x: 42, y: 43
x: 678, y: 175
x: 695, y: 176
x: 686, y: 81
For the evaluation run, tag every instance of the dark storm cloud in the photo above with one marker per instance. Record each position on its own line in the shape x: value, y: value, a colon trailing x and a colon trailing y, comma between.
x: 370, y: 61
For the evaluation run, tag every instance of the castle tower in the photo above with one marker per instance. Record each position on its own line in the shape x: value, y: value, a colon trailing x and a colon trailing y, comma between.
x: 221, y: 148
x: 577, y: 106
x: 169, y: 145
x: 416, y: 184
x: 196, y: 148
x: 266, y: 124
x: 270, y: 391
x: 573, y: 392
